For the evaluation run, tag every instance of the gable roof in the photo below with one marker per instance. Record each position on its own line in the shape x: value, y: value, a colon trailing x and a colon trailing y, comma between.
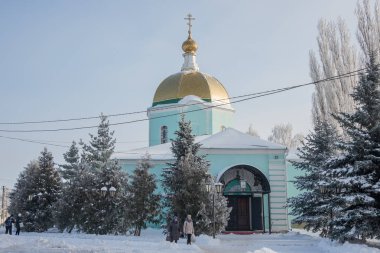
x: 231, y: 138
x: 228, y: 139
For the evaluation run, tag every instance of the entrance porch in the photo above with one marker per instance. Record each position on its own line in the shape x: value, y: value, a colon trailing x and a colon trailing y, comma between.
x: 247, y: 191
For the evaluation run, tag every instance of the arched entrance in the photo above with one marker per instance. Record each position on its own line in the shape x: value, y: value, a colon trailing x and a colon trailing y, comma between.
x: 245, y: 188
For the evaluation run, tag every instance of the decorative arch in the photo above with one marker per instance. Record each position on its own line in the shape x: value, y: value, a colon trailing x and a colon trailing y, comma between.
x: 250, y: 205
x: 256, y: 181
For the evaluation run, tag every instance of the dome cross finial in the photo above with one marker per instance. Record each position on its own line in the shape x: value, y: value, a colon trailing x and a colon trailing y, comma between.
x: 189, y: 18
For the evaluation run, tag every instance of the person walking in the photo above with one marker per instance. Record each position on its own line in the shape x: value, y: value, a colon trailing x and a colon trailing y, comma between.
x: 174, y: 230
x: 8, y: 224
x: 188, y: 228
x: 17, y: 224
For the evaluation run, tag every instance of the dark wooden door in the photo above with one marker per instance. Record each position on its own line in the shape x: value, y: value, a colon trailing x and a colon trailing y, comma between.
x: 257, y: 218
x: 243, y: 213
x: 239, y: 216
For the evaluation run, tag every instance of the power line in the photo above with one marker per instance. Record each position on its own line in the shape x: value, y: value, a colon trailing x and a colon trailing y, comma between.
x: 145, y: 111
x: 33, y: 141
x: 70, y: 119
x: 244, y: 98
x: 51, y: 143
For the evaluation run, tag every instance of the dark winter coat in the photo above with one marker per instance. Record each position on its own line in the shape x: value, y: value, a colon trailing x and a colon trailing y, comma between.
x: 8, y: 222
x: 17, y: 223
x: 174, y: 230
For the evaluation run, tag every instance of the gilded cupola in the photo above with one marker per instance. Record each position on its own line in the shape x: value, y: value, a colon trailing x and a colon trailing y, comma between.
x: 190, y: 81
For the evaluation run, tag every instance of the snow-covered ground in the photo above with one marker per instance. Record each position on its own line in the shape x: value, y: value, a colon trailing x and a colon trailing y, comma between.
x: 153, y: 241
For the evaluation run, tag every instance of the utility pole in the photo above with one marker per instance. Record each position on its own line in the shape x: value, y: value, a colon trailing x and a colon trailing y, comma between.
x: 3, y: 204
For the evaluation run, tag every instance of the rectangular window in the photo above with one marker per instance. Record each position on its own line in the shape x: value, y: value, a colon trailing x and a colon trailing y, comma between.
x: 164, y: 134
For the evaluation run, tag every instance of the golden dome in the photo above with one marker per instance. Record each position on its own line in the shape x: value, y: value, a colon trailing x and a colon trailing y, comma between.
x: 182, y: 84
x: 189, y: 45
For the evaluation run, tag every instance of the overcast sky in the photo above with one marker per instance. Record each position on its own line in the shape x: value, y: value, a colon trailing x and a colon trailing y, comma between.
x: 69, y: 59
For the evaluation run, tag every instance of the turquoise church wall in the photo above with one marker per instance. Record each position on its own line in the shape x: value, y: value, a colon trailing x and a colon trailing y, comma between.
x: 219, y: 163
x: 203, y: 122
x: 130, y: 166
x: 292, y: 173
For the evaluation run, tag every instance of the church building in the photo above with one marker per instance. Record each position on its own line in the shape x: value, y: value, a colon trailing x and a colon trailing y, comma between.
x: 252, y: 170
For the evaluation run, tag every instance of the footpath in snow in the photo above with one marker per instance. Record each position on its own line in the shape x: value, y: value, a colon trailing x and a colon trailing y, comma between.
x: 153, y: 241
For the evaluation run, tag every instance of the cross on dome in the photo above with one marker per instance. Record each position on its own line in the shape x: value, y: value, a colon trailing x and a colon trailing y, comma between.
x: 189, y: 18
x: 190, y: 47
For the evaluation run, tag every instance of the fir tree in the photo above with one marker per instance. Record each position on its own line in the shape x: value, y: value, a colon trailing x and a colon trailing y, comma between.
x: 69, y: 205
x: 102, y: 214
x: 38, y: 189
x: 19, y: 197
x: 313, y: 207
x: 222, y: 213
x: 144, y: 204
x: 101, y: 146
x: 357, y: 169
x: 69, y: 170
x: 184, y: 180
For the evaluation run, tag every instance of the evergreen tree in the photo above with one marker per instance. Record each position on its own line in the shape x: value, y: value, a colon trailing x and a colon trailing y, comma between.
x: 144, y: 204
x: 357, y: 169
x: 69, y: 170
x: 101, y: 146
x: 222, y: 213
x: 37, y: 190
x: 184, y: 180
x: 102, y: 214
x: 69, y: 204
x: 313, y: 207
x: 19, y: 197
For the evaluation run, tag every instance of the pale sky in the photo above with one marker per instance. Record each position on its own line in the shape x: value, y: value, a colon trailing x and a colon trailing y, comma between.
x: 69, y: 59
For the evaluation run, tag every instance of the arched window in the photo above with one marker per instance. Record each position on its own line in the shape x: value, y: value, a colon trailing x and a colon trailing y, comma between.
x: 164, y: 134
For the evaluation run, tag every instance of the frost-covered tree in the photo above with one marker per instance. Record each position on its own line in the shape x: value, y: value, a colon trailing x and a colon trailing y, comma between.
x: 222, y: 213
x: 101, y: 146
x: 101, y: 214
x: 19, y: 197
x: 36, y: 192
x: 357, y: 169
x: 69, y: 170
x: 368, y: 33
x: 282, y: 134
x: 312, y: 206
x: 252, y: 131
x: 144, y: 204
x: 104, y: 211
x: 337, y: 56
x: 184, y: 180
x: 69, y: 204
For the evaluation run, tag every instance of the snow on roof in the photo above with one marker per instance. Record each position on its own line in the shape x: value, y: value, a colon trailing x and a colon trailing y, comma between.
x: 228, y: 139
x: 293, y: 155
x: 156, y: 152
x: 231, y: 138
x: 192, y: 99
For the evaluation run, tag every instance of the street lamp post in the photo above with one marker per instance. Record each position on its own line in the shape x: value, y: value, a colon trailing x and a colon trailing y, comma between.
x: 103, y: 191
x: 108, y: 206
x: 218, y: 188
x: 329, y: 191
x: 31, y: 196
